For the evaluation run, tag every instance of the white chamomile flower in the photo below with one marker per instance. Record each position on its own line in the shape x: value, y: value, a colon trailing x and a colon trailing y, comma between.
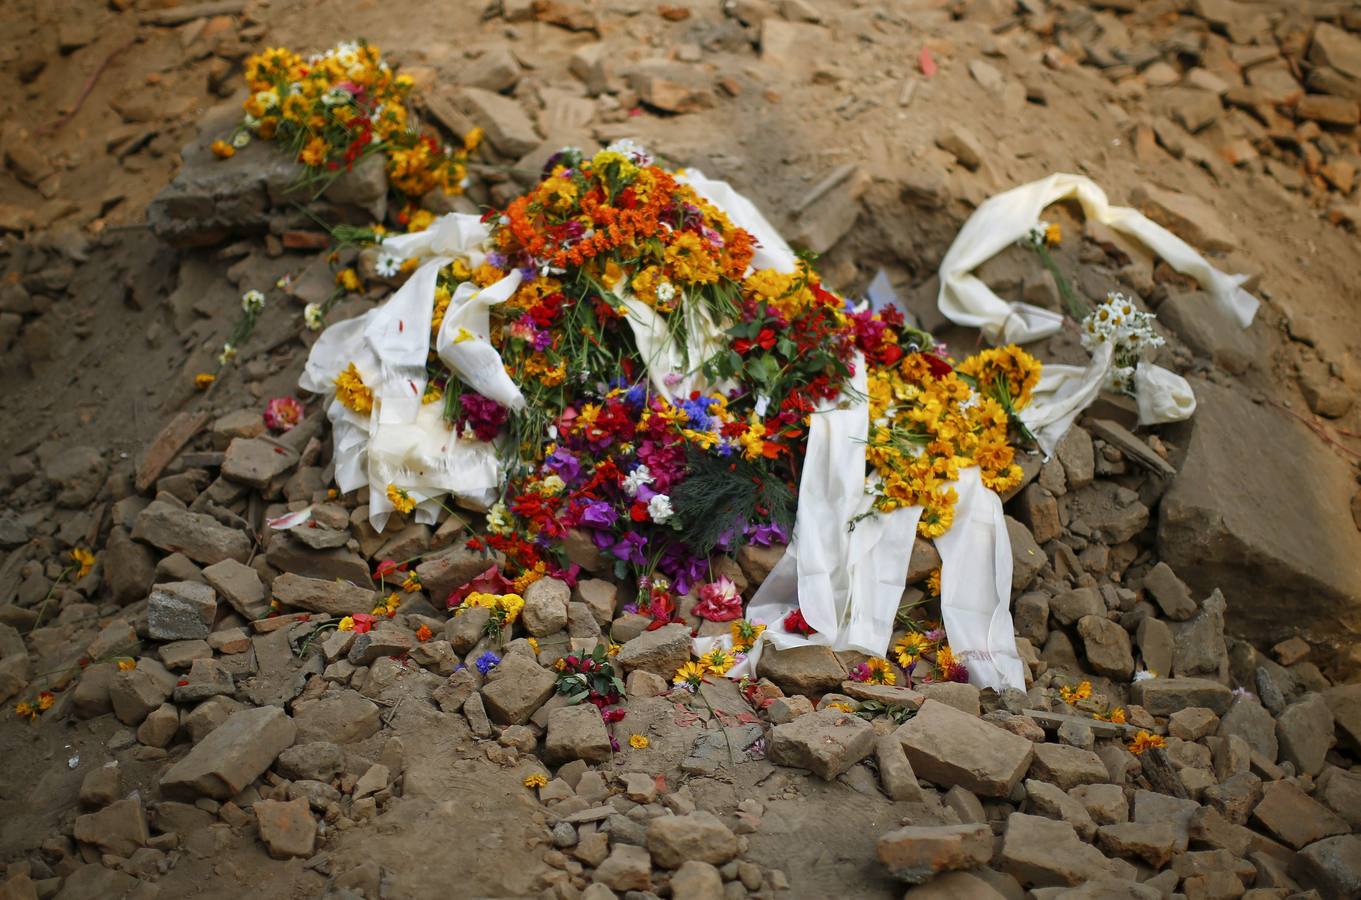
x: 312, y: 316
x: 252, y: 302
x: 240, y: 139
x: 228, y: 353
x: 666, y: 291
x: 659, y: 508
x: 387, y: 265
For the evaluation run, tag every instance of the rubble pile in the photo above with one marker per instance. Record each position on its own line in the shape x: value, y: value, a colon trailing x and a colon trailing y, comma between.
x: 1187, y: 610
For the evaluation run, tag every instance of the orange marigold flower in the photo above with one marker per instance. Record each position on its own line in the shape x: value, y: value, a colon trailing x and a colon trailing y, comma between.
x: 1146, y: 740
x: 223, y: 150
x: 424, y: 633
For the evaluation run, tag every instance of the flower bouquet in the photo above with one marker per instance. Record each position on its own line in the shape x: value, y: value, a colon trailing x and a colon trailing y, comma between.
x: 621, y: 374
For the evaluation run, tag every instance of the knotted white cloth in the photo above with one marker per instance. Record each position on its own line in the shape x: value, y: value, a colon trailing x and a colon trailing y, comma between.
x: 1064, y: 391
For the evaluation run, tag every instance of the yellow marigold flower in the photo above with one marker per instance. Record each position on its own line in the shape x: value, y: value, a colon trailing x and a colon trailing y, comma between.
x: 204, y: 380
x: 127, y: 664
x: 639, y: 742
x: 533, y: 644
x: 401, y: 501
x: 25, y: 710
x: 1053, y: 235
x: 839, y: 705
x: 1146, y: 740
x: 881, y: 672
x: 84, y: 560
x: 349, y: 280
x: 45, y: 701
x: 346, y: 624
x: 223, y: 150
x: 420, y: 220
x: 411, y: 583
x: 690, y: 675
x: 472, y: 139
x: 613, y: 649
x: 352, y: 392
x: 314, y: 154
x: 1118, y: 716
x: 537, y: 780
x: 933, y: 582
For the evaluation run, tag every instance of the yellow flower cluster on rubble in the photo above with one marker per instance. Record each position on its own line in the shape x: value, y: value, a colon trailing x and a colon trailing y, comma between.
x: 333, y: 108
x: 925, y: 427
x: 505, y: 607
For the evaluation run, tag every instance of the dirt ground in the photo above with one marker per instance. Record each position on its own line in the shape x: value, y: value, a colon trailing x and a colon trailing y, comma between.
x: 108, y: 100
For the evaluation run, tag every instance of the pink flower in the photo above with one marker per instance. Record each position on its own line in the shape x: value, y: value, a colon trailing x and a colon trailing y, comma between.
x: 282, y: 413
x: 719, y: 601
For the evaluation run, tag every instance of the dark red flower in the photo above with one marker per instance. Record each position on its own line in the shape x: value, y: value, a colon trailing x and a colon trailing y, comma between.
x: 796, y: 624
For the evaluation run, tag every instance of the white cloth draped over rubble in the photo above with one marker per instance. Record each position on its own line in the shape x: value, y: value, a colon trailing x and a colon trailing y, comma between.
x: 1064, y: 391
x: 848, y: 582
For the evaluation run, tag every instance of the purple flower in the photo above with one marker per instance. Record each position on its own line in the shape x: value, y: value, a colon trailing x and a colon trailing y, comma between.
x: 564, y: 463
x: 542, y: 341
x: 497, y: 259
x: 487, y: 661
x: 598, y: 514
x: 766, y: 535
x: 683, y: 568
x: 629, y: 548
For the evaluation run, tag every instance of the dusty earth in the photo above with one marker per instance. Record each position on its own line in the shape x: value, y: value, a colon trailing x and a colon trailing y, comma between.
x: 852, y: 125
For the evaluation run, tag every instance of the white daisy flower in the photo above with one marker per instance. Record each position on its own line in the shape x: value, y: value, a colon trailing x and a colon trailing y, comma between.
x: 252, y: 302
x: 387, y: 265
x: 312, y: 316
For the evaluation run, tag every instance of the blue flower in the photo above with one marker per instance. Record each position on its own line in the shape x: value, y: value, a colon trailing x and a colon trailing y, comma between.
x: 487, y: 661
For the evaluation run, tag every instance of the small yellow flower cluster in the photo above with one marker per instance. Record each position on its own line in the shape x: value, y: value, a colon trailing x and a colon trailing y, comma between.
x: 1071, y: 695
x: 505, y: 607
x: 337, y: 107
x: 639, y: 742
x: 926, y: 427
x: 401, y: 500
x: 411, y: 583
x: 352, y: 392
x: 537, y: 780
x: 389, y: 606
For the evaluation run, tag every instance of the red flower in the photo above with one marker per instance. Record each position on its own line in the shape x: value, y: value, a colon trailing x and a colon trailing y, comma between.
x: 362, y: 622
x: 612, y: 715
x: 796, y: 624
x: 387, y: 567
x: 939, y: 367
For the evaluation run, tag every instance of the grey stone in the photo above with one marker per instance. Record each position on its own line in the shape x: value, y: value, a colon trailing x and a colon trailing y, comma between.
x: 199, y: 537
x: 1305, y: 732
x: 337, y: 598
x: 660, y: 652
x: 1040, y: 852
x: 672, y: 840
x: 181, y: 610
x: 232, y: 756
x: 576, y: 732
x: 917, y: 854
x: 1212, y: 529
x: 826, y: 742
x: 949, y: 747
x: 240, y: 586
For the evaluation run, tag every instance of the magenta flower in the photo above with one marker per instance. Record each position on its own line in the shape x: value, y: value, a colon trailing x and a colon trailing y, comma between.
x: 282, y: 413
